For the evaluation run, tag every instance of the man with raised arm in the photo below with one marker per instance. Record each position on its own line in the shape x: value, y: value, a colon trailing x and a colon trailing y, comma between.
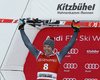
x: 47, y: 62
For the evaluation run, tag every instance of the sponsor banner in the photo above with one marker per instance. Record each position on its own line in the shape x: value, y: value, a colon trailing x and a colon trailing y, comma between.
x: 66, y: 10
x: 93, y: 51
x: 70, y: 65
x: 91, y: 79
x: 76, y: 79
x: 69, y: 79
x: 82, y: 61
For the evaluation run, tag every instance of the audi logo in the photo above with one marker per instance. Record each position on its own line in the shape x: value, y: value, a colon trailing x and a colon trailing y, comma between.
x: 90, y: 79
x: 70, y: 65
x: 91, y: 66
x: 69, y: 78
x: 73, y: 51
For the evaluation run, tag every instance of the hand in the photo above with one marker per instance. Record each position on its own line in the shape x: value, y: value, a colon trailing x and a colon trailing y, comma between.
x: 76, y: 28
x: 76, y: 21
x: 21, y: 24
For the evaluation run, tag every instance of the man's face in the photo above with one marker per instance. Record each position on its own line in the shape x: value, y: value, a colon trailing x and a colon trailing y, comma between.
x: 48, y: 50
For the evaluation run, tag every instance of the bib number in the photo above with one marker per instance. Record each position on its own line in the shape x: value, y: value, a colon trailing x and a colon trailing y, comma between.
x: 45, y: 67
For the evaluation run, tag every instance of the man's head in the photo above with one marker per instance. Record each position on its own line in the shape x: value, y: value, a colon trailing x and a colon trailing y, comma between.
x: 48, y: 46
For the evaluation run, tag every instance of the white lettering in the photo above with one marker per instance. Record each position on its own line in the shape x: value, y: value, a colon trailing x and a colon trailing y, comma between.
x: 84, y: 38
x: 96, y: 38
x: 58, y: 38
x: 48, y: 37
x: 48, y: 60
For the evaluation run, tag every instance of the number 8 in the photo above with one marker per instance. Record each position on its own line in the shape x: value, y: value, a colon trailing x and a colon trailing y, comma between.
x: 45, y: 66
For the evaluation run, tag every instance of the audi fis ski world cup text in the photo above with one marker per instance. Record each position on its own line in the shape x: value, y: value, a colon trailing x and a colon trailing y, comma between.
x: 75, y: 8
x: 80, y: 38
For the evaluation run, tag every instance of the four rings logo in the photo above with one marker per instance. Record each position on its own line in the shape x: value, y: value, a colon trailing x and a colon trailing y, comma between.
x: 70, y: 65
x: 91, y: 66
x: 69, y: 78
x: 73, y: 51
x: 90, y: 79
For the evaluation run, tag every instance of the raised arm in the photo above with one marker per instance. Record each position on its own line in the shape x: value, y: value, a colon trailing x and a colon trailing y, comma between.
x: 65, y: 50
x: 27, y: 42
